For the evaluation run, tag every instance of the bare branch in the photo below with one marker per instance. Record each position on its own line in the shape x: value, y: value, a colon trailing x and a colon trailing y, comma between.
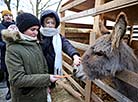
x: 32, y: 5
x: 7, y: 2
x: 44, y: 5
x: 58, y: 5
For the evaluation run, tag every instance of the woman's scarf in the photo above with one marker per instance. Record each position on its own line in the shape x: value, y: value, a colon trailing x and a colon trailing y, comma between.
x: 57, y: 44
x: 26, y: 37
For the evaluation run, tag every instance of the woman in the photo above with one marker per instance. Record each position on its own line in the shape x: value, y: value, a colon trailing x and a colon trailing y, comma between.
x: 28, y: 71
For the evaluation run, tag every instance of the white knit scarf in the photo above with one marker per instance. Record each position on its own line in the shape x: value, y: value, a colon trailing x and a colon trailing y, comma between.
x: 57, y: 44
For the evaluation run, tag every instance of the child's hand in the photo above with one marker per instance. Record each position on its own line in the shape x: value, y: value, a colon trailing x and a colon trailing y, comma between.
x: 77, y: 60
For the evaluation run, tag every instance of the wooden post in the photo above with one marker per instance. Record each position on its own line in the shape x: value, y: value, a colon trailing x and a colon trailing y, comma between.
x: 88, y: 87
x: 97, y: 18
x: 93, y: 36
x: 88, y: 91
x: 62, y: 28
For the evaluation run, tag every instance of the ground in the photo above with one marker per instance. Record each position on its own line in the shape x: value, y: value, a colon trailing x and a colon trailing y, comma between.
x: 3, y: 91
x: 59, y: 94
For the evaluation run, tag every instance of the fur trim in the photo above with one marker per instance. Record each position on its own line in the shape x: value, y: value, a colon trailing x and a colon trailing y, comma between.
x: 10, y: 36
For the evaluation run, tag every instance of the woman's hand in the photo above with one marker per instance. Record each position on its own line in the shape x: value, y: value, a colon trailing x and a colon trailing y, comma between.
x: 53, y: 78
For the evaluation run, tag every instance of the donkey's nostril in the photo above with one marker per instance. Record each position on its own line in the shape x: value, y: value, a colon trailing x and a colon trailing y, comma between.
x: 108, y: 70
x: 74, y: 70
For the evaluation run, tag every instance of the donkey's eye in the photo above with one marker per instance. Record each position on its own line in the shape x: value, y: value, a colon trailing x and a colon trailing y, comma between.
x: 99, y: 53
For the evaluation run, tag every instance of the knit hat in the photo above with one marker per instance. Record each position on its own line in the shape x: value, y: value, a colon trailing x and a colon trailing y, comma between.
x: 26, y: 20
x: 4, y: 12
x: 47, y: 13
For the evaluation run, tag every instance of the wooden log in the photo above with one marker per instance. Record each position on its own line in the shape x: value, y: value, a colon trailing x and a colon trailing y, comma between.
x: 115, y: 5
x: 88, y: 89
x: 80, y: 46
x: 72, y: 4
x: 75, y: 84
x: 78, y: 25
x: 77, y: 30
x: 115, y: 94
x: 107, y: 7
x: 78, y: 37
x: 129, y: 77
x: 70, y: 90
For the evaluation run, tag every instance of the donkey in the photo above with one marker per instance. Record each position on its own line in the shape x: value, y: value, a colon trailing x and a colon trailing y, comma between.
x: 109, y: 55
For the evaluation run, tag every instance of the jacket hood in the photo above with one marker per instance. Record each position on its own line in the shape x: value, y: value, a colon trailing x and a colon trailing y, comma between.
x: 46, y: 13
x: 10, y: 36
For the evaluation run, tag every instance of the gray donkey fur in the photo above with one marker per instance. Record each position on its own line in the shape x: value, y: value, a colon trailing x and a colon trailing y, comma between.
x: 110, y: 54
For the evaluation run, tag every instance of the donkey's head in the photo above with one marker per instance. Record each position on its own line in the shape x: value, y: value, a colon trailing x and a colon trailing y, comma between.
x: 109, y: 54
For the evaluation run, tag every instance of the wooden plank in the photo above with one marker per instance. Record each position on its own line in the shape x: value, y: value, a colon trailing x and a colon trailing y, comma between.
x: 114, y: 93
x: 76, y: 25
x: 72, y: 4
x: 78, y: 37
x: 110, y: 6
x: 129, y: 77
x: 90, y: 12
x: 67, y: 66
x: 80, y: 46
x: 115, y: 5
x: 75, y: 84
x: 70, y: 90
x: 77, y: 30
x: 86, y: 26
x: 66, y: 56
x: 88, y: 91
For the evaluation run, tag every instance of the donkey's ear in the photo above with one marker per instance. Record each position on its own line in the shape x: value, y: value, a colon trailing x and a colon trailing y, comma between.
x: 122, y: 16
x: 119, y: 29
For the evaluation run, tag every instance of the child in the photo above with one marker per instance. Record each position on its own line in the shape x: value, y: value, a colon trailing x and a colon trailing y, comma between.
x: 53, y: 43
